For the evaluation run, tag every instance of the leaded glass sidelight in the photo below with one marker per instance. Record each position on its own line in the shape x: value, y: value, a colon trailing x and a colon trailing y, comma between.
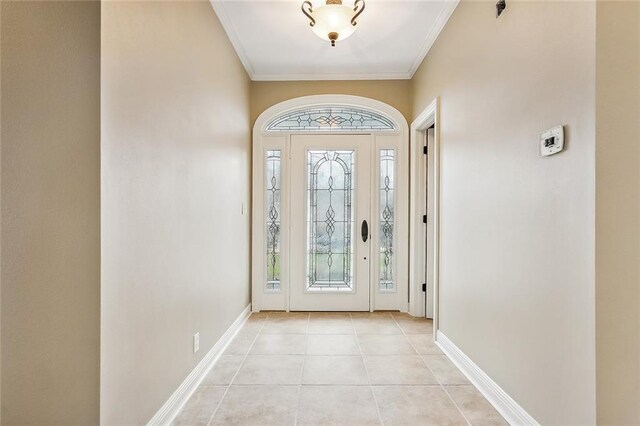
x: 333, y: 118
x: 387, y: 157
x: 273, y: 220
x: 330, y: 217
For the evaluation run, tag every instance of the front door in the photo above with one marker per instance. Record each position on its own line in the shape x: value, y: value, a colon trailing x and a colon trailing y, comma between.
x: 330, y: 222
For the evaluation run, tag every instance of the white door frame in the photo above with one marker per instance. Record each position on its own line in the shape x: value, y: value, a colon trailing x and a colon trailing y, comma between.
x: 417, y: 243
x: 264, y: 140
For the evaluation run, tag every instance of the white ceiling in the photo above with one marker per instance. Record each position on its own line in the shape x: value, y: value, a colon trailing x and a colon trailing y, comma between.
x: 274, y: 41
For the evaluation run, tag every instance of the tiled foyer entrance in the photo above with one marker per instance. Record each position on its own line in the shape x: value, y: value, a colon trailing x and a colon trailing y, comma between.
x: 336, y: 369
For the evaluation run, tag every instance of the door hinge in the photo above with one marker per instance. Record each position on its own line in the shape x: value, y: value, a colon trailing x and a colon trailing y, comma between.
x: 424, y: 218
x: 425, y: 150
x: 424, y: 287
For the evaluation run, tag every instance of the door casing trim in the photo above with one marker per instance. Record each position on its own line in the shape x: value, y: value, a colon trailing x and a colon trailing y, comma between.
x: 430, y: 116
x: 262, y: 140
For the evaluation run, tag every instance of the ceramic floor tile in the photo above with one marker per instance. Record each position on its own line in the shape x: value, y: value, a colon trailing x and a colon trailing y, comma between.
x: 292, y: 322
x: 416, y: 405
x: 444, y: 370
x: 280, y: 344
x: 398, y: 370
x: 258, y: 405
x: 253, y: 325
x: 283, y: 314
x: 401, y: 315
x: 334, y: 370
x: 336, y: 379
x: 377, y: 314
x: 200, y: 407
x: 251, y: 329
x: 375, y: 344
x: 339, y: 344
x: 415, y: 325
x: 372, y: 323
x: 240, y: 345
x: 257, y: 318
x: 329, y: 315
x: 223, y: 370
x: 475, y: 407
x: 330, y: 323
x: 270, y: 370
x: 337, y: 405
x: 424, y: 344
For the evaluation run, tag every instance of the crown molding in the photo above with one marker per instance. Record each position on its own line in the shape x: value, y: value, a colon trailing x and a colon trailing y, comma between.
x: 218, y: 8
x: 227, y: 24
x: 319, y: 77
x: 432, y: 36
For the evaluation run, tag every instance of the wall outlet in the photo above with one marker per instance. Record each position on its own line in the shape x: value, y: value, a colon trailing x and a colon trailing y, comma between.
x: 196, y: 342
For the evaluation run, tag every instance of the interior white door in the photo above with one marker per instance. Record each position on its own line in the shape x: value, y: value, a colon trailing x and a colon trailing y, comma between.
x: 330, y: 222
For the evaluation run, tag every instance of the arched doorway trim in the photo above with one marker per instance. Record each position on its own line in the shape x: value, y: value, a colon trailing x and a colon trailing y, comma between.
x: 274, y: 132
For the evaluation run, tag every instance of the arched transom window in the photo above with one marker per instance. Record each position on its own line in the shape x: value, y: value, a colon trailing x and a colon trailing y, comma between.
x: 331, y: 118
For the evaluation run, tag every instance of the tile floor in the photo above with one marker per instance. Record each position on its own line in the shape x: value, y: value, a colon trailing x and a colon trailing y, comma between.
x: 336, y: 369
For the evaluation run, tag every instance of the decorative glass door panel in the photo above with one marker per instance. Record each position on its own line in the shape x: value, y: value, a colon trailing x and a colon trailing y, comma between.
x: 387, y: 214
x: 330, y: 220
x: 273, y: 218
x: 331, y: 194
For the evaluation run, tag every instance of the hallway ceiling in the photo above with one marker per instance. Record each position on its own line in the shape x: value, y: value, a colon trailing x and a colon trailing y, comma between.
x: 274, y: 41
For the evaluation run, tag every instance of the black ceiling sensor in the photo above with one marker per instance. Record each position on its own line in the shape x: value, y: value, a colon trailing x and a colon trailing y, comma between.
x: 500, y: 7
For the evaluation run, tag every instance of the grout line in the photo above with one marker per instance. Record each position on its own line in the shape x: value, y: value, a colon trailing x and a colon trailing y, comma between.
x: 373, y: 395
x: 300, y: 385
x: 448, y: 394
x: 314, y: 385
x: 304, y: 357
x: 436, y: 377
x: 237, y: 371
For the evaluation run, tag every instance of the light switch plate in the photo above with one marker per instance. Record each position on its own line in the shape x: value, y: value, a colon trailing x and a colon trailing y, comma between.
x: 552, y: 141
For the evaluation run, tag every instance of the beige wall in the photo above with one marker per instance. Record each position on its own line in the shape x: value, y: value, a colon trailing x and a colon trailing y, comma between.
x: 50, y: 212
x: 517, y: 230
x: 618, y: 212
x: 396, y: 93
x: 175, y: 173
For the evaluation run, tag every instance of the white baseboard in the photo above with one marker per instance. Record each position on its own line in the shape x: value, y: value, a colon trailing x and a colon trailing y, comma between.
x: 178, y: 399
x: 506, y: 406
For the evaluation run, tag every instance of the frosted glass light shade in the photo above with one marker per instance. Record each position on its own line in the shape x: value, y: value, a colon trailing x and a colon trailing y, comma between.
x: 333, y: 18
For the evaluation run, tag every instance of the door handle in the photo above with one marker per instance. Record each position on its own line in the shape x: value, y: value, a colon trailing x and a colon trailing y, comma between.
x: 364, y: 230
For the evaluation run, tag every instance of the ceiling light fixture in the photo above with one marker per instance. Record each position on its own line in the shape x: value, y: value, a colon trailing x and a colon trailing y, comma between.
x: 333, y: 21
